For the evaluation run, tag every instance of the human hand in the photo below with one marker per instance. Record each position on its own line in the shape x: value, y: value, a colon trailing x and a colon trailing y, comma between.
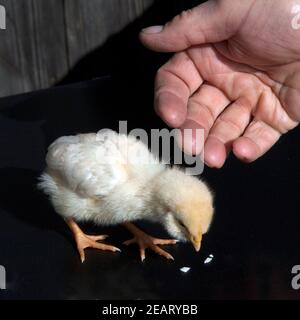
x: 235, y: 73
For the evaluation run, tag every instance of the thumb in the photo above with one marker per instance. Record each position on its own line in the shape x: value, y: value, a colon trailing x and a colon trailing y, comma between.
x: 212, y: 21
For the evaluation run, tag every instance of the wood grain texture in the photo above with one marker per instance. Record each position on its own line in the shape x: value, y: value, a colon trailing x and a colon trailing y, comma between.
x: 44, y: 39
x: 90, y: 23
x: 50, y: 40
x: 10, y: 76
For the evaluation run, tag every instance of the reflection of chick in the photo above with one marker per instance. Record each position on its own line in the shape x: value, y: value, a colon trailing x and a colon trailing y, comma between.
x: 109, y: 179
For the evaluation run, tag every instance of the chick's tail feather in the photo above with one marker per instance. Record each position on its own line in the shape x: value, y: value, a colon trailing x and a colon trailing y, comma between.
x: 47, y: 184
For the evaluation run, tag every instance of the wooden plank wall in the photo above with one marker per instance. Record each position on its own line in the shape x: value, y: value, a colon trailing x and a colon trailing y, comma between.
x: 44, y: 38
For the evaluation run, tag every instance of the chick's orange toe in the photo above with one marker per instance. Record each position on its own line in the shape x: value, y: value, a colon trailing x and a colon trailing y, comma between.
x: 145, y: 241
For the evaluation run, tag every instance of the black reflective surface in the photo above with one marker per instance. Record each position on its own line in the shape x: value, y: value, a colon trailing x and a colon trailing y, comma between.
x: 254, y: 237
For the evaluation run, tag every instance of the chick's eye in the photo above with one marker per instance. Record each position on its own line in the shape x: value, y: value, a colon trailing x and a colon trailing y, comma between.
x: 181, y: 224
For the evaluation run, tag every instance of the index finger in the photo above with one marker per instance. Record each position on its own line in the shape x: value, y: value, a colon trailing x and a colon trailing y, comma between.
x: 175, y: 82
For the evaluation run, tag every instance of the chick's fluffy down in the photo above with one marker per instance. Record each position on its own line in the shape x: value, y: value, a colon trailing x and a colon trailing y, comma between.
x: 106, y: 167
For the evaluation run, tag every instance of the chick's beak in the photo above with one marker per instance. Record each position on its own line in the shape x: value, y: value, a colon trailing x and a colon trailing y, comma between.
x: 196, y: 241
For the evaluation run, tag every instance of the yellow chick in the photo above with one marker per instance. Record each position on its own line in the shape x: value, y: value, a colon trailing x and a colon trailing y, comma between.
x: 110, y: 178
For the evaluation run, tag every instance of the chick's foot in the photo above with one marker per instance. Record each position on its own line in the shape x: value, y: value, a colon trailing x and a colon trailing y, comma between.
x: 84, y: 241
x: 146, y: 241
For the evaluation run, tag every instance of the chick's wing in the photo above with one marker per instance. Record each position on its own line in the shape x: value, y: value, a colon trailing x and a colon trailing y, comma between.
x: 89, y: 164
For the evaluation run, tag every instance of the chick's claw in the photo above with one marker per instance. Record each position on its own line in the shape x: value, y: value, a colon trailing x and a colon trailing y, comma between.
x: 147, y: 242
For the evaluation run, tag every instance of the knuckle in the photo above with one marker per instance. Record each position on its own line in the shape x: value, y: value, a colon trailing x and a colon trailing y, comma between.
x: 230, y: 123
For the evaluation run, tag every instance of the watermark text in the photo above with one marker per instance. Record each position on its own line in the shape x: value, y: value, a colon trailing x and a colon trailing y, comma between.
x: 2, y: 278
x: 2, y: 18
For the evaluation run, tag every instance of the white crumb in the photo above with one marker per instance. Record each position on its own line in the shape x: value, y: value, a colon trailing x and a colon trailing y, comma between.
x: 209, y: 259
x: 185, y: 269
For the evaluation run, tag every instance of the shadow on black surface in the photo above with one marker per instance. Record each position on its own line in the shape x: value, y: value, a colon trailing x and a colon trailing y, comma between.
x: 20, y: 197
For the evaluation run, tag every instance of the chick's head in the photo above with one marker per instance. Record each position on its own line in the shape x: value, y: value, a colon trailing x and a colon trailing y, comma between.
x: 186, y: 204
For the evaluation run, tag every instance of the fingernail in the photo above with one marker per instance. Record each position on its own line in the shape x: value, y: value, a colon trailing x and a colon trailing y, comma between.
x: 153, y: 29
